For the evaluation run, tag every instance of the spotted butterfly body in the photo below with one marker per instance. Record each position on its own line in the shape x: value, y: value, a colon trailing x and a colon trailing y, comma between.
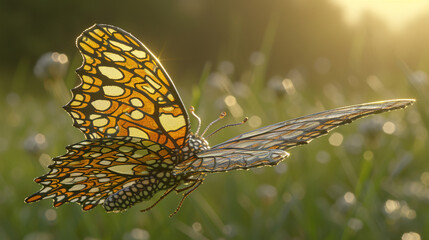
x: 138, y: 132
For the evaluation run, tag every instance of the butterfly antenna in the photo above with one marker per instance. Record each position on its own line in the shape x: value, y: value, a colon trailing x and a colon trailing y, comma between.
x: 222, y: 115
x: 192, y: 109
x: 229, y: 125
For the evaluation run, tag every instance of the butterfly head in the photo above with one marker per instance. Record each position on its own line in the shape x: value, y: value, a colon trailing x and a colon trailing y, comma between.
x: 197, y: 143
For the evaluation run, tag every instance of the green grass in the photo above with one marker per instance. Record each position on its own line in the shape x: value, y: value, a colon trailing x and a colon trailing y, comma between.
x: 302, y: 198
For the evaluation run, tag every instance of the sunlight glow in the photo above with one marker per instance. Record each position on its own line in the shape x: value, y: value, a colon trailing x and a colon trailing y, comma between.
x: 395, y: 13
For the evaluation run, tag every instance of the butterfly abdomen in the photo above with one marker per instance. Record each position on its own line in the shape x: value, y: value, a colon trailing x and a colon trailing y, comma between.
x: 141, y: 190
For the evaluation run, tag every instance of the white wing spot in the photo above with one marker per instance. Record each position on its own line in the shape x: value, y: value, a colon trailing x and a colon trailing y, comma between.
x: 106, y: 150
x: 138, y: 53
x: 128, y: 184
x: 120, y: 45
x: 94, y: 189
x: 46, y: 189
x: 154, y: 148
x: 149, y: 89
x: 113, y: 91
x: 172, y: 123
x: 125, y: 149
x: 61, y: 197
x: 170, y: 97
x: 111, y: 72
x: 94, y: 116
x: 77, y: 187
x: 104, y: 180
x: 136, y: 102
x: 101, y: 105
x: 114, y: 57
x: 78, y: 97
x: 75, y: 174
x: 111, y: 131
x: 94, y: 155
x: 74, y: 115
x: 168, y: 109
x: 80, y: 179
x: 152, y: 82
x: 75, y: 103
x: 123, y: 169
x: 87, y: 79
x: 135, y: 132
x: 67, y: 181
x: 121, y: 159
x: 140, y: 153
x: 136, y: 115
x: 105, y: 162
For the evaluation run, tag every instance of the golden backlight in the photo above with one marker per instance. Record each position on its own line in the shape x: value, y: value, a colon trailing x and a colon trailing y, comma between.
x: 395, y: 13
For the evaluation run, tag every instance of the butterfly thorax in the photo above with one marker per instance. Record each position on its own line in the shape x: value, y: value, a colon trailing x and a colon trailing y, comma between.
x: 194, y: 145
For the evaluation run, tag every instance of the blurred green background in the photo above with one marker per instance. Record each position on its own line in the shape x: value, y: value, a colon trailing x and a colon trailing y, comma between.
x: 268, y: 60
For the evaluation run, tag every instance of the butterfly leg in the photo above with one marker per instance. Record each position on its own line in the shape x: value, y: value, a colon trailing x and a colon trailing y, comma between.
x: 162, y: 197
x: 190, y: 189
x: 179, y: 190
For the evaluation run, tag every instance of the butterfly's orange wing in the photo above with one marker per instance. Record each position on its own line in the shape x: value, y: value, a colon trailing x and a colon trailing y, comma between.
x: 94, y: 169
x: 134, y: 120
x: 125, y: 91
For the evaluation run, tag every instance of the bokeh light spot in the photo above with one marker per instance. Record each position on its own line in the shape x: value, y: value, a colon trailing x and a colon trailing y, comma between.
x: 139, y: 234
x: 50, y: 215
x: 336, y: 139
x: 280, y: 168
x: 233, y: 106
x: 40, y: 139
x: 257, y: 58
x: 355, y: 224
x: 349, y: 198
x: 374, y: 83
x: 288, y: 86
x: 411, y: 236
x: 424, y: 178
x: 13, y: 99
x: 368, y: 155
x: 255, y: 121
x: 196, y: 226
x: 230, y: 100
x: 45, y: 160
x: 226, y: 67
x: 267, y: 192
x: 323, y: 156
x: 391, y: 206
x: 389, y: 127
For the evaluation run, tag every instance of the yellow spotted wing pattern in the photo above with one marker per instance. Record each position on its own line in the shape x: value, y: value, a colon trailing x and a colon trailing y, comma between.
x: 267, y: 145
x: 95, y: 169
x: 125, y: 91
x: 134, y: 121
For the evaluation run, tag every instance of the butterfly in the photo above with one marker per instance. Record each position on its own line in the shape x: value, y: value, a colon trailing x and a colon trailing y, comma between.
x: 138, y: 138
